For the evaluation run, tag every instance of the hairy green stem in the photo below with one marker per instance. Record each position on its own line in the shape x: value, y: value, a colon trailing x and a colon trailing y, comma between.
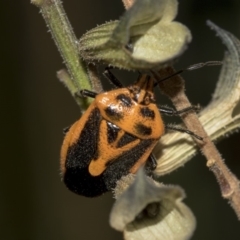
x: 66, y: 42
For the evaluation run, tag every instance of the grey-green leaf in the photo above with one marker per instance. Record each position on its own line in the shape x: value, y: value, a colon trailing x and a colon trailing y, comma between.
x: 144, y: 38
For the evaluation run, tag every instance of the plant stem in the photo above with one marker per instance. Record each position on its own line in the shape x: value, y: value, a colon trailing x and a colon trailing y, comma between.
x: 66, y: 41
x: 229, y: 184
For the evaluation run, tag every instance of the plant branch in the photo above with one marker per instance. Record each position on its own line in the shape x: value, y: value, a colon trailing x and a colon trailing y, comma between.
x: 220, y: 117
x: 66, y: 41
x: 229, y: 184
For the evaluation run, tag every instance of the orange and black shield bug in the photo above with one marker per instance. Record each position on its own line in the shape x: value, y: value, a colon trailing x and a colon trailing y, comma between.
x: 114, y: 137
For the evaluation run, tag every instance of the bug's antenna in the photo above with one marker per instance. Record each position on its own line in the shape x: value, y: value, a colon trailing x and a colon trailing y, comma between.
x: 111, y: 78
x: 190, y: 68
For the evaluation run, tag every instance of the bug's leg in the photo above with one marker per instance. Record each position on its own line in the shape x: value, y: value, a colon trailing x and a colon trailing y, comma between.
x: 86, y: 93
x: 173, y: 112
x: 112, y: 79
x: 66, y: 129
x: 183, y: 130
x: 129, y: 47
x: 150, y: 165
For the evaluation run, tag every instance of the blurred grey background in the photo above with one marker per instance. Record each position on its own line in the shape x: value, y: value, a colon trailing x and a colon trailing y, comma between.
x: 35, y: 107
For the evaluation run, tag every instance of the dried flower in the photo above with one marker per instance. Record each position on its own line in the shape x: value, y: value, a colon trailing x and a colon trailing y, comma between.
x: 150, y: 210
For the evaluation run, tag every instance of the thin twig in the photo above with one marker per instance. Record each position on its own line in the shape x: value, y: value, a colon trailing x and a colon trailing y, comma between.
x: 229, y: 184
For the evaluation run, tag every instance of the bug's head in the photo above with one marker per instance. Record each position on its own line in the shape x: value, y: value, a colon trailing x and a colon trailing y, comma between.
x: 142, y: 90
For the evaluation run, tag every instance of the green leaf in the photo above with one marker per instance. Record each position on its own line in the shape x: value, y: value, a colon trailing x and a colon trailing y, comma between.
x: 144, y: 38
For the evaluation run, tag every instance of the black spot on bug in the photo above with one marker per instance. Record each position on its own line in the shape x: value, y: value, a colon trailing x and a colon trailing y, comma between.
x: 113, y: 114
x: 77, y: 177
x: 146, y: 112
x: 81, y: 182
x: 127, y: 101
x: 120, y: 166
x: 86, y: 144
x: 125, y: 139
x: 112, y: 132
x: 142, y: 129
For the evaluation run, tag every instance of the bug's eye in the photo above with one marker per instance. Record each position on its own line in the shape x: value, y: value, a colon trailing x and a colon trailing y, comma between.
x: 126, y: 101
